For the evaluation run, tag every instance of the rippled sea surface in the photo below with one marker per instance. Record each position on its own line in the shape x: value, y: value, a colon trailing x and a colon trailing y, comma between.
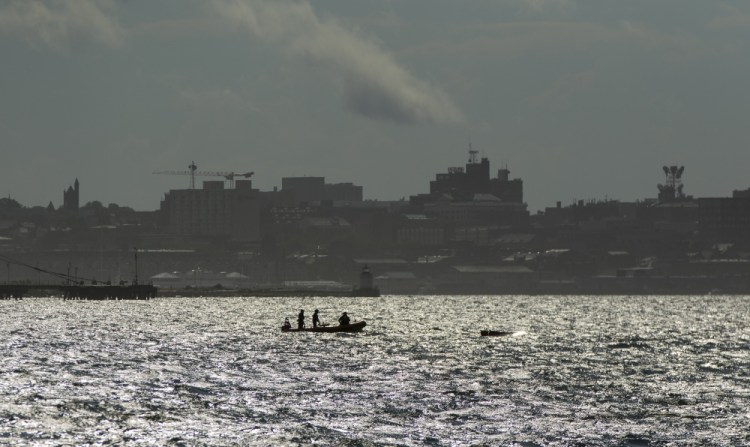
x: 593, y: 371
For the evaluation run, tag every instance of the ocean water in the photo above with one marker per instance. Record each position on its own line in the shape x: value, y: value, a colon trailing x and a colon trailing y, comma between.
x: 577, y: 371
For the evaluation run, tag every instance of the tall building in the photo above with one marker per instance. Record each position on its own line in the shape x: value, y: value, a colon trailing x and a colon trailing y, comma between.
x: 71, y: 197
x: 468, y: 196
x: 464, y: 183
x: 214, y: 211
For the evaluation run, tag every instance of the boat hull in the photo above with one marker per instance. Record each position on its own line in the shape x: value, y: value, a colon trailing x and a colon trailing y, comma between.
x: 354, y: 327
x: 494, y: 333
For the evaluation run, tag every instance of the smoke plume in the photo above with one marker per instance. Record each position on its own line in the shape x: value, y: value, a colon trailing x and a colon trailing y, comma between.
x: 55, y: 23
x: 374, y: 84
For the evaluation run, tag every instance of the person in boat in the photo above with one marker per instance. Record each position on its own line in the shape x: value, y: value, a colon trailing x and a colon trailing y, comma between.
x: 287, y: 325
x: 316, y: 319
x: 301, y: 319
x: 344, y: 319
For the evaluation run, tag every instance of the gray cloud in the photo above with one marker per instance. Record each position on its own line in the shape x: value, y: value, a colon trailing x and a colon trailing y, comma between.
x: 214, y: 100
x: 56, y: 23
x: 374, y: 84
x: 545, y: 6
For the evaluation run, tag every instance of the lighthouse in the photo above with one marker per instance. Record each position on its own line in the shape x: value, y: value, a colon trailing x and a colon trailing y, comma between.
x: 366, y: 286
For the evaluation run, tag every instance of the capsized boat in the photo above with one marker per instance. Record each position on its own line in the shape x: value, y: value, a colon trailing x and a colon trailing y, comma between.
x: 354, y: 327
x: 494, y: 333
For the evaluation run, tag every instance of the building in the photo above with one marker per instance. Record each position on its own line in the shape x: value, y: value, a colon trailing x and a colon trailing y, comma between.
x: 71, y: 197
x: 419, y: 230
x: 465, y: 183
x: 305, y: 189
x: 468, y: 197
x: 725, y: 218
x: 342, y: 192
x: 589, y: 211
x: 481, y: 209
x: 308, y: 190
x: 214, y: 211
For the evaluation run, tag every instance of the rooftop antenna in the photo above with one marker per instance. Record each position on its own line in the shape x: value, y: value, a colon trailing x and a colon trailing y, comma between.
x: 192, y: 168
x: 472, y: 154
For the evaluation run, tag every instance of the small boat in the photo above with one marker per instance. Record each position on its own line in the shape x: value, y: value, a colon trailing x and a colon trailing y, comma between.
x: 354, y: 327
x: 494, y: 333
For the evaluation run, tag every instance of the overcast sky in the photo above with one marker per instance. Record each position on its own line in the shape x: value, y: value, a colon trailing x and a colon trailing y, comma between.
x: 581, y: 99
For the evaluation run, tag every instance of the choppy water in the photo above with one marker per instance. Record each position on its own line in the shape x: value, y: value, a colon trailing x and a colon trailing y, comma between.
x: 622, y: 371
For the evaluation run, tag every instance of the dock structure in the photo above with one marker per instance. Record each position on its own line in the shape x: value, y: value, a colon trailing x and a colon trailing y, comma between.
x: 74, y: 287
x: 12, y: 292
x: 80, y: 292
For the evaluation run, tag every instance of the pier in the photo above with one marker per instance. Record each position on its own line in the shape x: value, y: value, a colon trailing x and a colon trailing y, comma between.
x: 80, y: 291
x: 74, y: 287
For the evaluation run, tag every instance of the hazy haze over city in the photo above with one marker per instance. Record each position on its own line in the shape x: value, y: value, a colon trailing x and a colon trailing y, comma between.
x: 581, y: 99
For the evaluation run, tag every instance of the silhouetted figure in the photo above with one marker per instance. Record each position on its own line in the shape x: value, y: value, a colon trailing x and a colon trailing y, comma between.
x: 301, y: 319
x: 287, y: 325
x: 316, y: 319
x: 344, y: 319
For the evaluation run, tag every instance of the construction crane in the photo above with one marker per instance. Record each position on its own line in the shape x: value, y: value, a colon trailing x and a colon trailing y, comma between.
x: 193, y: 172
x: 227, y: 175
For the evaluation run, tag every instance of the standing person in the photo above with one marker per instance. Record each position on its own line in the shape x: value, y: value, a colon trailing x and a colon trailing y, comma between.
x: 301, y: 319
x: 316, y: 319
x: 344, y: 319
